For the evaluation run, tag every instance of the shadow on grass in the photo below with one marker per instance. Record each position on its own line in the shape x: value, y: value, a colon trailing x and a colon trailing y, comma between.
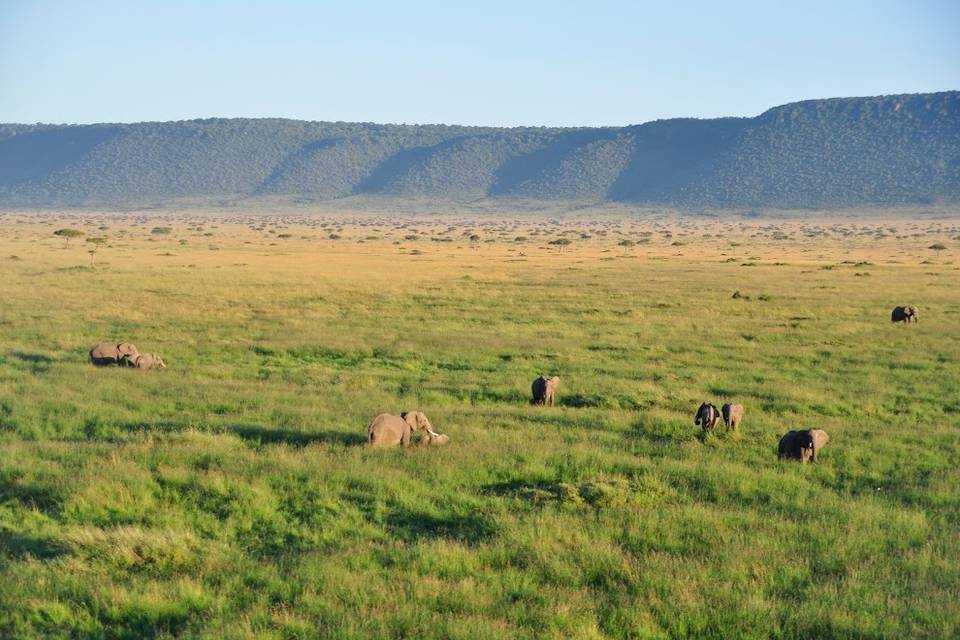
x: 17, y: 545
x: 45, y: 499
x: 258, y: 435
x: 469, y: 529
x: 482, y: 396
x: 39, y: 362
x: 594, y: 400
x: 513, y: 487
x: 152, y: 427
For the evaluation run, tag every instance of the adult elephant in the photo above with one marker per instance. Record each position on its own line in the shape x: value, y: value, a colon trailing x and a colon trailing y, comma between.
x: 112, y: 353
x: 707, y: 416
x: 802, y: 445
x: 908, y: 313
x: 732, y: 415
x: 388, y: 430
x: 544, y: 390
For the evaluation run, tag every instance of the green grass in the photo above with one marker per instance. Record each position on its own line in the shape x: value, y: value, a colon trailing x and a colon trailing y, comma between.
x: 229, y: 496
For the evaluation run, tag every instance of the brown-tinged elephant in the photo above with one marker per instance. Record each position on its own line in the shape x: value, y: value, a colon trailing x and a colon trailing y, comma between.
x: 147, y: 361
x: 732, y: 415
x: 544, y: 390
x: 707, y: 416
x: 112, y: 353
x: 802, y: 445
x: 388, y: 430
x: 908, y: 313
x: 434, y: 440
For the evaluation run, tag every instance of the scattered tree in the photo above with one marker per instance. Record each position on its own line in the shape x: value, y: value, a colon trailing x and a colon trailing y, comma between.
x: 67, y: 234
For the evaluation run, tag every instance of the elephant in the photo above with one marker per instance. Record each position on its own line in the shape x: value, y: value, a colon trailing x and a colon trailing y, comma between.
x: 802, y: 445
x: 907, y: 313
x: 388, y: 430
x: 108, y: 353
x: 707, y: 416
x: 146, y: 361
x: 544, y: 390
x: 732, y: 415
x: 434, y: 441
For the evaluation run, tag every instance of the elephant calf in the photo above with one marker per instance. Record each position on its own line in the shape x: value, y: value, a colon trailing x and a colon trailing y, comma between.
x: 112, y: 353
x: 908, y: 313
x: 544, y: 390
x: 434, y: 441
x: 732, y: 416
x: 707, y: 416
x: 802, y: 445
x: 147, y: 361
x: 388, y: 430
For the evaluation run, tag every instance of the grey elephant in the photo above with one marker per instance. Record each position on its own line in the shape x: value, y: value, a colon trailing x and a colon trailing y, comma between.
x: 908, y: 313
x: 707, y: 416
x: 544, y: 390
x: 732, y: 415
x: 112, y: 353
x: 388, y: 430
x: 146, y: 361
x: 802, y: 445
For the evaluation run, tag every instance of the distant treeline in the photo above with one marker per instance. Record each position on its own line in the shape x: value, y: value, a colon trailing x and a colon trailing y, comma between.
x: 819, y: 153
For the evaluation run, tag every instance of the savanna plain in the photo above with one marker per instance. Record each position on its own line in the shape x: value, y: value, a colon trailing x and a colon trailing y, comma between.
x: 230, y: 495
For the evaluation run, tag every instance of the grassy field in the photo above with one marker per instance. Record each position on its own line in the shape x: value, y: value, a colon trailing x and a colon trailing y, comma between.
x: 230, y: 496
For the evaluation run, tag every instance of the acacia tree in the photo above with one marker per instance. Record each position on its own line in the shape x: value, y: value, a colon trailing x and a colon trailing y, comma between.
x: 67, y: 234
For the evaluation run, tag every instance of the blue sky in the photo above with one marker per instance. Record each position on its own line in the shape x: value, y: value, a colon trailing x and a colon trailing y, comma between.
x: 490, y: 63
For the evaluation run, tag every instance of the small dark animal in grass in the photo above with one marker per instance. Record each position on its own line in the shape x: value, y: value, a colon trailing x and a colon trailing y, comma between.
x: 544, y: 390
x: 147, y: 361
x: 112, y: 353
x: 390, y: 431
x: 802, y: 445
x: 907, y: 313
x: 732, y: 415
x: 707, y: 416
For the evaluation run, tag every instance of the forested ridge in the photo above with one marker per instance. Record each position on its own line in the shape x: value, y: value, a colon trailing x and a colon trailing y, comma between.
x: 899, y: 149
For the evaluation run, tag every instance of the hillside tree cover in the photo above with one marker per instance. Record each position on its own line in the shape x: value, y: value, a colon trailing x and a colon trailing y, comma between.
x: 902, y: 149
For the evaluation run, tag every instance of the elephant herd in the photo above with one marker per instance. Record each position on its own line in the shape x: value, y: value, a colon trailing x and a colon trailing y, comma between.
x: 388, y: 430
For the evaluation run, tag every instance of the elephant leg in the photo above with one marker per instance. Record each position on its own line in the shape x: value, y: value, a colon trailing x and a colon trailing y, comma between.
x: 405, y: 439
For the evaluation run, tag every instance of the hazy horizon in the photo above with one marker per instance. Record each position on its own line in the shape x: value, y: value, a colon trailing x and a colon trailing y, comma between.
x: 463, y: 124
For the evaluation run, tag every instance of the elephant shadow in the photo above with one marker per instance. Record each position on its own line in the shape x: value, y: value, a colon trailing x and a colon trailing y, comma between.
x: 38, y: 362
x: 410, y: 525
x: 17, y: 545
x: 45, y: 499
x: 581, y: 401
x: 258, y: 435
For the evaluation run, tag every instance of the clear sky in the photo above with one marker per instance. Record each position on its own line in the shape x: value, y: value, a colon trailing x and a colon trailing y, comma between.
x: 486, y: 62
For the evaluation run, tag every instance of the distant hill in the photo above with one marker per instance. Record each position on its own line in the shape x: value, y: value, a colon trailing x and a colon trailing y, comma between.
x: 819, y: 153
